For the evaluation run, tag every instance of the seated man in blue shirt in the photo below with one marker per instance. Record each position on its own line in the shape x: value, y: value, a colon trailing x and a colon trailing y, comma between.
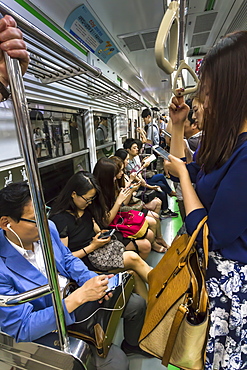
x: 22, y: 268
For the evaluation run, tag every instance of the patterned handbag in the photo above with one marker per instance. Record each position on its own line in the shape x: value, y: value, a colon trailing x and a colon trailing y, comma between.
x: 108, y: 257
x: 132, y: 224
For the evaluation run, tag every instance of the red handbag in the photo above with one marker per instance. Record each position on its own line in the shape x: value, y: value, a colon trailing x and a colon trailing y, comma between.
x: 131, y: 224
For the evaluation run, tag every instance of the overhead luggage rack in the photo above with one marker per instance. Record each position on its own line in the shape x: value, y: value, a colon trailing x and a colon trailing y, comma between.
x: 50, y: 62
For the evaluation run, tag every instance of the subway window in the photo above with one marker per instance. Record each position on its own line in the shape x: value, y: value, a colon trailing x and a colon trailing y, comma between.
x: 56, y: 132
x: 104, y: 135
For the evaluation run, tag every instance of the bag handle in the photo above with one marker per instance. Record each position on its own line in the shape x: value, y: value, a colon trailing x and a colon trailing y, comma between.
x: 180, y: 314
x: 203, y: 299
x: 195, y: 234
x: 189, y: 247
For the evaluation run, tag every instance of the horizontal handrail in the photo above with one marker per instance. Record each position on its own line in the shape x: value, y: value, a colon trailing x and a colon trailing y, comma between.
x: 47, y: 40
x: 70, y: 61
x: 14, y: 300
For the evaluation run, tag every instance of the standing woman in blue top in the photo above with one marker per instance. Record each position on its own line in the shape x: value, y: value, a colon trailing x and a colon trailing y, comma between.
x: 220, y: 175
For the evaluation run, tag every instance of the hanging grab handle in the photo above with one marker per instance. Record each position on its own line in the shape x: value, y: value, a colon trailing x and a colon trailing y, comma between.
x: 168, y: 25
x: 188, y: 90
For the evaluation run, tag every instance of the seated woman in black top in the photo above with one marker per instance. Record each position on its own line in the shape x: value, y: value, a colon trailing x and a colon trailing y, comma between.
x: 79, y: 215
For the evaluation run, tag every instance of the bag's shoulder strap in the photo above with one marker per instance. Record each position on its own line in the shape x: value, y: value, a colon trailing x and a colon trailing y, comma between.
x: 181, y: 312
x: 196, y: 232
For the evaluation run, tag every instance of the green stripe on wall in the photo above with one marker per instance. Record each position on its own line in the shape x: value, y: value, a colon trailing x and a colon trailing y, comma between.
x: 147, y: 102
x: 50, y: 25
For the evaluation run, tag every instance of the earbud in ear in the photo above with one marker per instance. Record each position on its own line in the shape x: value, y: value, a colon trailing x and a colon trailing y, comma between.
x: 10, y: 229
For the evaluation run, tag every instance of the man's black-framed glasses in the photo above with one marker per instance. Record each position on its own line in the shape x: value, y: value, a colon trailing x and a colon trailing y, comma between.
x: 47, y: 210
x: 27, y: 220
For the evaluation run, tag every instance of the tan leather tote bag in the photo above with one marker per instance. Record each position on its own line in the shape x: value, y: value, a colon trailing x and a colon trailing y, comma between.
x: 176, y: 323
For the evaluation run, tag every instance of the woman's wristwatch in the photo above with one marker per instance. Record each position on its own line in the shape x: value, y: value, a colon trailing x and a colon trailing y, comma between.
x: 4, y: 91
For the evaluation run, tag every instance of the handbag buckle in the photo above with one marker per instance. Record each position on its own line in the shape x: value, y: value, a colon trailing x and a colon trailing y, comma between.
x: 187, y: 304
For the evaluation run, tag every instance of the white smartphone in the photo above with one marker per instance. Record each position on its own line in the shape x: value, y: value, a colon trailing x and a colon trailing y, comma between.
x: 114, y: 282
x: 162, y: 152
x: 150, y: 159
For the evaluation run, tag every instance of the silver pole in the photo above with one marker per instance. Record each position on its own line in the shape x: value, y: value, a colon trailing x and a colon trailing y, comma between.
x: 181, y: 35
x: 24, y: 130
x: 181, y: 29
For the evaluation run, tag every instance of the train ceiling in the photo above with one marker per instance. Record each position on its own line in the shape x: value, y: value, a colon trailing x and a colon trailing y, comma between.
x: 133, y: 25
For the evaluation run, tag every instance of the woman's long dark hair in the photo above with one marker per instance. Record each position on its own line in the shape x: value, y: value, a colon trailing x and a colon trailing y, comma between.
x: 105, y: 172
x: 223, y: 71
x: 120, y: 183
x: 81, y: 182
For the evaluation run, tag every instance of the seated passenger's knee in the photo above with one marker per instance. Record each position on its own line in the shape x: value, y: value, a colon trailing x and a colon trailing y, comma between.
x: 134, y: 257
x: 144, y: 246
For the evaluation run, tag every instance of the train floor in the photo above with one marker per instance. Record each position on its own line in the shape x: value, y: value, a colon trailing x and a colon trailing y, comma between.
x: 169, y: 227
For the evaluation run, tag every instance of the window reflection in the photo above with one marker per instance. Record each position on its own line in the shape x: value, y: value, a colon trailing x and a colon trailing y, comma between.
x: 56, y: 133
x: 102, y: 133
x: 103, y: 128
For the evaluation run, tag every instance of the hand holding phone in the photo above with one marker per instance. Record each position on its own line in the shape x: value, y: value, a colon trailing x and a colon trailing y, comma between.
x: 114, y: 282
x: 149, y: 159
x: 106, y: 234
x: 162, y: 152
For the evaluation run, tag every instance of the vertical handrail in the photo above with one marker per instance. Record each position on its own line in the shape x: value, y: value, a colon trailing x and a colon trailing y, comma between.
x: 181, y: 30
x: 24, y: 129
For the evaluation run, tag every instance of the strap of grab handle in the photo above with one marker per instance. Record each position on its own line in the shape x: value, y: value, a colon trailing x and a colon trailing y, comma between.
x: 168, y: 25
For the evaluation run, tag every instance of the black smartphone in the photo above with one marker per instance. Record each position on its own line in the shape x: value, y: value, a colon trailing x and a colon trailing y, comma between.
x: 106, y: 234
x: 114, y: 282
x: 162, y: 152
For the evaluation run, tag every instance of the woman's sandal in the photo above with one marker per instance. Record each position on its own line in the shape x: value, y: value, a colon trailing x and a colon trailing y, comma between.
x: 156, y: 247
x: 162, y: 242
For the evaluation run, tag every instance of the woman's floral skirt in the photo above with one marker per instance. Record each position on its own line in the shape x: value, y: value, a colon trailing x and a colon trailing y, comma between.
x: 227, y: 288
